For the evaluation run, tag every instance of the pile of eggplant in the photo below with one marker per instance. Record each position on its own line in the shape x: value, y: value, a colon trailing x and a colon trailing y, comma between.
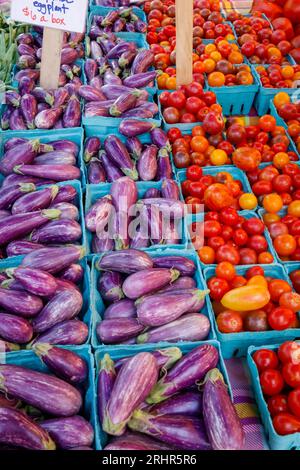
x: 149, y: 403
x: 122, y: 220
x: 42, y: 411
x: 120, y: 20
x: 119, y: 3
x: 41, y: 299
x: 143, y: 162
x: 31, y: 161
x: 149, y: 299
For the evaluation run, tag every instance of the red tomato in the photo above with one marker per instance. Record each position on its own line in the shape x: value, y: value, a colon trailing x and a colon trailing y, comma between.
x: 228, y: 253
x: 277, y: 404
x: 194, y: 173
x: 277, y: 287
x: 291, y: 374
x: 212, y: 228
x: 248, y: 256
x: 289, y: 351
x: 226, y: 271
x: 254, y: 226
x: 194, y: 89
x: 271, y: 382
x: 265, y: 359
x: 171, y: 115
x: 229, y: 216
x: 229, y: 322
x: 193, y: 104
x: 258, y: 243
x: 188, y: 118
x: 177, y: 99
x: 255, y: 271
x: 294, y: 402
x: 290, y: 300
x: 164, y: 98
x: 281, y: 318
x: 218, y: 288
x: 240, y: 237
x: 217, y: 197
x: 227, y: 232
x: 174, y: 133
x: 286, y: 423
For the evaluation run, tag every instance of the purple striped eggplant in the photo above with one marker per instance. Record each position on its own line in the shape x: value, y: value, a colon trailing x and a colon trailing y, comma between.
x: 110, y: 78
x: 119, y: 155
x: 184, y: 282
x: 171, y: 233
x: 91, y: 148
x: 169, y: 189
x: 30, y: 73
x: 35, y: 201
x: 47, y: 119
x: 147, y: 164
x: 125, y: 261
x: 102, y: 243
x: 110, y: 286
x: 160, y: 139
x: 28, y: 106
x: 53, y: 259
x: 134, y: 127
x: 55, y: 172
x: 20, y: 303
x: 20, y: 247
x: 65, y: 146
x: 185, y: 403
x: 89, y: 93
x: 190, y: 327
x: 222, y: 423
x: 73, y: 273
x: 140, y: 80
x: 124, y: 102
x: 26, y: 62
x: 26, y: 85
x: 112, y: 92
x: 90, y: 69
x: 8, y: 195
x: 16, y: 121
x: 106, y: 380
x: 97, y: 108
x: 43, y: 96
x: 118, y: 50
x: 66, y: 193
x: 15, y: 329
x: 67, y: 210
x: 72, y: 113
x: 99, y: 214
x: 143, y: 60
x: 68, y: 55
x: 12, y: 98
x: 124, y: 308
x: 186, y: 266
x: 168, y: 207
x: 43, y: 391
x: 61, y: 96
x: 117, y: 330
x: 73, y: 332
x: 55, y: 158
x: 113, y: 173
x: 138, y: 113
x: 95, y: 172
x: 180, y: 431
x: 135, y: 441
x: 63, y: 306
x: 19, y: 430
x: 165, y: 359
x: 21, y: 154
x: 126, y: 59
x: 13, y: 180
x: 4, y: 213
x: 63, y: 285
x: 134, y: 147
x: 63, y: 363
x: 148, y: 281
x: 57, y: 231
x: 152, y: 193
x: 17, y: 226
x: 164, y: 166
x: 124, y: 197
x: 140, y: 239
x: 137, y: 377
x: 36, y: 281
x: 190, y: 369
x: 97, y: 82
x: 5, y: 118
x: 69, y: 432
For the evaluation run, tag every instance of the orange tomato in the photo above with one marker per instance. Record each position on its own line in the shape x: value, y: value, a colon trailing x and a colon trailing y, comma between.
x: 218, y: 157
x: 198, y: 130
x: 287, y: 72
x: 171, y: 83
x: 285, y: 245
x: 246, y: 298
x: 244, y: 78
x: 294, y: 208
x: 265, y: 258
x: 272, y: 203
x: 199, y: 144
x: 216, y: 56
x: 216, y: 79
x: 248, y: 201
x: 258, y: 281
x: 209, y: 48
x: 281, y: 159
x: 209, y: 65
x: 206, y: 255
x: 236, y: 57
x: 270, y: 218
x: 161, y: 80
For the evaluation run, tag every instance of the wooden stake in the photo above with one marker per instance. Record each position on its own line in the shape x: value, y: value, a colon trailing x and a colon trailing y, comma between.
x: 51, y: 56
x: 184, y: 42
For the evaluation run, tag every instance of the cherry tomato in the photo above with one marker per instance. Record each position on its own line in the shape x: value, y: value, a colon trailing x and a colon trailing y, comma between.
x: 291, y: 374
x: 212, y: 228
x: 289, y: 351
x: 265, y: 359
x: 229, y: 216
x: 226, y: 271
x: 238, y: 281
x: 271, y: 382
x: 240, y: 237
x: 218, y: 288
x: 281, y: 318
x: 277, y: 404
x: 229, y: 322
x: 177, y: 99
x: 174, y: 134
x: 294, y: 402
x: 194, y: 89
x: 206, y: 255
x: 194, y: 173
x: 290, y: 300
x: 171, y: 115
x: 286, y: 423
x: 256, y: 321
x: 228, y: 253
x: 253, y: 226
x: 254, y: 271
x: 285, y: 245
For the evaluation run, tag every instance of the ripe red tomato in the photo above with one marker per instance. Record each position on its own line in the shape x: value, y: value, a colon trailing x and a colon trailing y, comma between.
x: 290, y: 300
x: 265, y: 359
x: 289, y: 351
x: 258, y: 243
x: 177, y: 99
x: 194, y: 173
x: 271, y: 382
x: 294, y: 402
x: 281, y: 318
x: 229, y: 216
x: 277, y: 404
x: 229, y: 322
x: 277, y: 287
x: 253, y: 226
x: 212, y: 228
x: 174, y: 134
x: 286, y: 423
x: 193, y: 104
x: 240, y: 237
x: 226, y: 271
x: 248, y: 256
x: 218, y: 288
x: 217, y: 197
x: 228, y: 253
x: 164, y: 99
x: 194, y: 89
x: 291, y: 374
x: 171, y: 115
x: 255, y: 271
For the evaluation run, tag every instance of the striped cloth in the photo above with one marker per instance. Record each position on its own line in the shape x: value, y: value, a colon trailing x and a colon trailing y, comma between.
x: 245, y: 404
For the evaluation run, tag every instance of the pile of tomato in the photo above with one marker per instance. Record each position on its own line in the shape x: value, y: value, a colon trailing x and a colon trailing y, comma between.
x: 279, y: 76
x: 290, y: 113
x: 279, y: 375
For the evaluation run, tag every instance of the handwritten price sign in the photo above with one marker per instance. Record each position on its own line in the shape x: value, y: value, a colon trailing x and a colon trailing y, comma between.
x: 67, y: 15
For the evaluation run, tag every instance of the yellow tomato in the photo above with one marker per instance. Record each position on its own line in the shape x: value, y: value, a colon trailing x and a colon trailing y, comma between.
x: 209, y: 48
x: 258, y: 281
x: 246, y: 298
x: 248, y: 201
x: 218, y: 157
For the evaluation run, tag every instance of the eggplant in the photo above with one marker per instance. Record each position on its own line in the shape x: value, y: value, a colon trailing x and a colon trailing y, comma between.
x: 143, y: 60
x: 96, y: 172
x: 43, y: 96
x: 102, y: 243
x: 73, y: 332
x: 112, y: 172
x: 139, y: 112
x: 13, y: 180
x: 118, y: 50
x: 54, y: 259
x: 140, y: 239
x: 67, y: 210
x: 61, y: 96
x: 36, y: 281
x: 117, y: 152
x: 8, y: 402
x: 64, y: 145
x: 125, y: 261
x: 91, y: 148
x: 21, y: 154
x: 134, y: 127
x: 180, y: 431
x: 20, y: 303
x: 99, y: 213
x: 68, y: 55
x: 47, y: 119
x: 35, y: 201
x: 97, y: 108
x: 55, y: 172
x: 138, y: 375
x: 190, y: 369
x: 135, y: 441
x: 148, y: 281
x: 184, y: 282
x: 89, y: 93
x: 19, y: 430
x: 73, y: 273
x: 72, y: 113
x: 169, y: 207
x: 63, y: 363
x: 55, y: 158
x: 164, y: 166
x: 152, y: 193
x: 140, y: 80
x: 69, y: 432
x: 57, y: 231
x: 8, y: 195
x: 43, y: 391
x: 124, y: 308
x: 12, y: 98
x: 64, y: 305
x: 117, y: 330
x: 160, y: 139
x: 90, y: 69
x: 124, y: 102
x: 4, y: 213
x: 15, y: 329
x: 21, y: 247
x: 110, y: 286
x: 112, y: 92
x: 222, y: 423
x: 66, y: 193
x: 29, y: 110
x: 106, y: 379
x: 186, y: 266
x: 169, y: 189
x: 124, y: 197
x: 16, y: 121
x: 147, y: 164
x: 165, y: 359
x: 190, y: 327
x: 134, y: 147
x: 111, y: 79
x: 185, y: 403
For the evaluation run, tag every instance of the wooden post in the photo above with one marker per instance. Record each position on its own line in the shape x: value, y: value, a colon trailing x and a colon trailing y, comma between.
x: 51, y: 56
x: 184, y: 42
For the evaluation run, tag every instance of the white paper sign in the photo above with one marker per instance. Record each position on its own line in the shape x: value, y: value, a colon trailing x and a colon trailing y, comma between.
x: 68, y: 15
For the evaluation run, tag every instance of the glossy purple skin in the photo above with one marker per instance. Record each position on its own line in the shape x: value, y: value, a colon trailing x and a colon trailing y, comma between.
x: 65, y: 146
x: 111, y: 79
x: 134, y: 147
x: 4, y: 213
x: 113, y: 173
x: 29, y: 110
x: 138, y: 113
x: 68, y: 55
x: 63, y: 363
x: 73, y: 332
x: 98, y: 213
x: 33, y: 74
x: 13, y: 179
x: 26, y: 85
x: 164, y: 166
x: 43, y: 96
x: 124, y: 308
x: 123, y: 103
x: 106, y: 380
x: 189, y: 327
x: 134, y: 127
x: 21, y: 154
x: 43, y: 391
x: 112, y: 92
x: 34, y: 201
x: 55, y: 158
x: 58, y: 232
x: 186, y: 266
x: 12, y: 98
x: 96, y: 51
x: 5, y: 118
x: 165, y: 358
x: 36, y: 281
x: 135, y: 441
x: 20, y: 247
x: 119, y: 155
x: 169, y: 189
x: 67, y: 210
x: 13, y: 142
x: 8, y: 195
x: 19, y: 430
x: 54, y: 172
x: 180, y: 431
x: 185, y: 403
x: 53, y: 260
x: 147, y: 164
x: 160, y: 138
x: 184, y: 282
x: 91, y: 148
x: 138, y: 375
x: 169, y: 207
x: 117, y: 330
x: 61, y: 96
x: 73, y: 273
x: 15, y: 329
x: 63, y: 306
x: 95, y: 171
x: 110, y: 286
x: 102, y: 243
x: 69, y: 432
x: 20, y: 303
x: 140, y: 80
x: 139, y: 241
x: 143, y: 60
x: 96, y: 82
x: 124, y: 196
x: 72, y: 113
x: 125, y: 261
x: 47, y: 119
x: 89, y: 93
x: 152, y: 193
x: 90, y: 69
x: 119, y: 49
x: 188, y: 370
x: 172, y: 236
x: 222, y: 423
x: 148, y: 281
x: 66, y: 193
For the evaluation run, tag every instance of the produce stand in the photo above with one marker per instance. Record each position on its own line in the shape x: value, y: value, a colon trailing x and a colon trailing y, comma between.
x: 150, y: 226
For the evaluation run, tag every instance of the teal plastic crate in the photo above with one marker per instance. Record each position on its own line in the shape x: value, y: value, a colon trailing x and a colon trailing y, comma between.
x: 95, y: 192
x: 30, y: 360
x: 121, y: 352
x: 276, y: 441
x: 98, y: 307
x: 236, y: 99
x: 86, y: 312
x: 236, y: 344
